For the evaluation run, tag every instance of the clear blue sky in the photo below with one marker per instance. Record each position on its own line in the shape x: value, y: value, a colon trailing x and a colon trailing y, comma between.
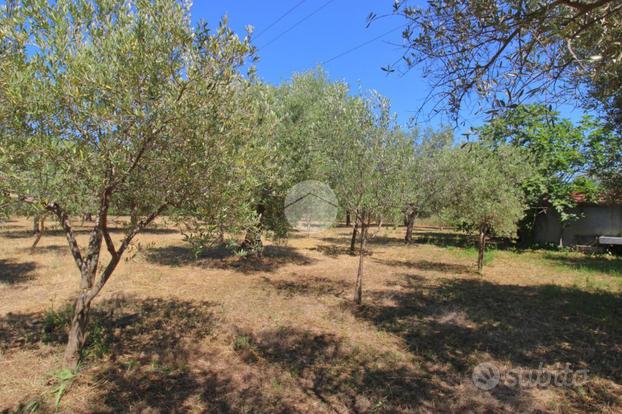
x: 337, y: 27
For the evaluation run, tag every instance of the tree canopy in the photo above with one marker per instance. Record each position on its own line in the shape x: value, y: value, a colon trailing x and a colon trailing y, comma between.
x: 105, y: 100
x: 509, y: 52
x: 560, y: 152
x: 488, y: 198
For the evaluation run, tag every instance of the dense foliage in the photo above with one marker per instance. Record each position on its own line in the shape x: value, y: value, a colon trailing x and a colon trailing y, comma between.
x: 488, y: 198
x: 106, y: 104
x: 562, y: 155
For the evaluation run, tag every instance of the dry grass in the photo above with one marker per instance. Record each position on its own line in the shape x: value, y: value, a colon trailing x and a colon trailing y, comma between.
x: 171, y: 333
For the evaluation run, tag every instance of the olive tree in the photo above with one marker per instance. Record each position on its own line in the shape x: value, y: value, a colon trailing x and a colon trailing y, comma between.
x: 299, y: 117
x: 252, y: 120
x: 115, y: 99
x: 422, y: 175
x: 487, y: 197
x: 604, y: 152
x: 364, y: 161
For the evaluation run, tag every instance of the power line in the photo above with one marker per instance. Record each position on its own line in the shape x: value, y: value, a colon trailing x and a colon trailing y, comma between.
x: 281, y: 17
x: 308, y: 16
x: 357, y: 47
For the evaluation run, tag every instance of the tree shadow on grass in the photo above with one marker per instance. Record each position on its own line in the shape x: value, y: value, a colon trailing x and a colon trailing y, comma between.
x: 122, y: 320
x: 140, y: 348
x: 309, y: 286
x: 427, y: 265
x: 344, y: 377
x: 26, y: 234
x: 456, y: 239
x: 151, y: 345
x: 437, y: 238
x: 372, y: 241
x: 595, y: 264
x: 153, y: 360
x: 335, y: 251
x: 273, y: 257
x: 12, y: 272
x: 442, y: 239
x: 460, y: 323
x: 52, y: 248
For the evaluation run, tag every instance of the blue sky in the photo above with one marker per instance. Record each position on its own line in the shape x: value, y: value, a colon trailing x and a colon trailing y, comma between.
x: 337, y: 27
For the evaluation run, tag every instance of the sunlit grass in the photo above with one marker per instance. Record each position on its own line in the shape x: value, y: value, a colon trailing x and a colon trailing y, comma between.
x: 585, y: 264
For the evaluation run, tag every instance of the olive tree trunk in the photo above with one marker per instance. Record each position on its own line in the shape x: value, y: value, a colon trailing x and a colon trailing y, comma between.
x: 252, y: 240
x: 133, y: 216
x: 358, y: 289
x: 39, y: 227
x: 482, y: 249
x: 77, y: 331
x: 35, y: 225
x: 355, y: 229
x: 411, y: 216
x: 90, y: 283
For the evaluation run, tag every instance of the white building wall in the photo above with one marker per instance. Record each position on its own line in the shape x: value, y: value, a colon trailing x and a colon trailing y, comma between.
x: 595, y: 221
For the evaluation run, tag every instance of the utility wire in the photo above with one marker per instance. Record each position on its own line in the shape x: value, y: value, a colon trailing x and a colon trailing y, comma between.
x: 357, y: 47
x: 292, y: 27
x: 281, y: 17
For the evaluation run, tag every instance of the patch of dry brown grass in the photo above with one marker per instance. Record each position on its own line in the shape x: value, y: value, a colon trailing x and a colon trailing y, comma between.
x: 175, y: 333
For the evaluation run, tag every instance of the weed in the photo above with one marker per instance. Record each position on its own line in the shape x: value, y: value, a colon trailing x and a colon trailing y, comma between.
x: 241, y: 253
x: 55, y: 323
x: 131, y: 365
x: 276, y: 384
x: 98, y: 342
x: 63, y: 379
x: 31, y: 406
x: 242, y: 342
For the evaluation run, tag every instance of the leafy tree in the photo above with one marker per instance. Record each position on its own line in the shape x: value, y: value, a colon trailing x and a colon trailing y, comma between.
x: 510, y: 51
x: 487, y: 197
x: 302, y: 115
x: 114, y: 100
x: 604, y: 152
x: 422, y: 175
x: 558, y: 150
x: 364, y: 162
x: 252, y: 120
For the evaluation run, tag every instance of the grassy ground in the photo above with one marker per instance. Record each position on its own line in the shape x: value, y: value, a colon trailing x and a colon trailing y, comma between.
x: 171, y: 333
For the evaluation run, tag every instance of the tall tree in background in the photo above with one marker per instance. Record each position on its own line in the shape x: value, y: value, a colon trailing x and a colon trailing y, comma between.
x: 559, y: 152
x: 302, y: 115
x: 113, y: 99
x: 605, y: 154
x: 488, y: 199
